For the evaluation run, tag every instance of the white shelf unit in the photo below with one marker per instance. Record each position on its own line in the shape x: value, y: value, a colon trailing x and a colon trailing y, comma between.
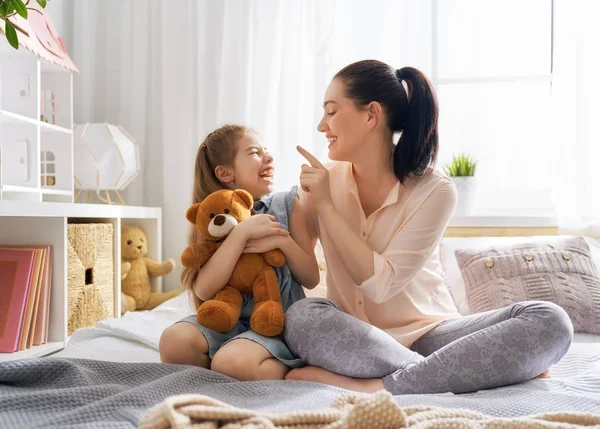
x: 36, y: 157
x: 35, y: 222
x: 37, y: 176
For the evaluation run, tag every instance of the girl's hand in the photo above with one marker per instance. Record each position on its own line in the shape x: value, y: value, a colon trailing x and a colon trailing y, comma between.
x: 263, y: 245
x: 314, y: 179
x: 259, y: 226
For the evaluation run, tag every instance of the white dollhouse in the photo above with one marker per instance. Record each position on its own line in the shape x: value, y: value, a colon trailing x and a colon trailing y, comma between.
x: 36, y: 114
x: 37, y: 167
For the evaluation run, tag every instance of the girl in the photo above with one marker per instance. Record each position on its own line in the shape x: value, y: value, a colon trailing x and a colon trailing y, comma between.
x: 233, y: 157
x: 391, y: 322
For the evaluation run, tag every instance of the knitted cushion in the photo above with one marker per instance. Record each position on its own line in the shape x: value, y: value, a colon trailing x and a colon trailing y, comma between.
x: 561, y: 272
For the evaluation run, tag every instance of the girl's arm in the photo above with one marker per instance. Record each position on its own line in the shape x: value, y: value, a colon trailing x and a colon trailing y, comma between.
x: 215, y: 274
x: 298, y: 248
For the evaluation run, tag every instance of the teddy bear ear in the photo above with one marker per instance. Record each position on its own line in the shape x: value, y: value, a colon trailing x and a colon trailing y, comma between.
x: 192, y: 212
x: 245, y: 197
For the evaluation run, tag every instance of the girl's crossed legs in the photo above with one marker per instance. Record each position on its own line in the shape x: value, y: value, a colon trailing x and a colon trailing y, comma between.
x: 242, y: 359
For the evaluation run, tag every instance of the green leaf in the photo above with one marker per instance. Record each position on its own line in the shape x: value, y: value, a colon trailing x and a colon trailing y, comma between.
x: 6, y: 8
x: 20, y: 8
x: 42, y: 3
x: 11, y: 35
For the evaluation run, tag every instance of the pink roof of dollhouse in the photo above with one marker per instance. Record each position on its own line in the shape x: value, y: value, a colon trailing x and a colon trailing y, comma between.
x: 37, y: 33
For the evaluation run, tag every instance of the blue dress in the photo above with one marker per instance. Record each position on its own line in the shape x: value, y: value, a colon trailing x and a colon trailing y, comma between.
x: 280, y: 205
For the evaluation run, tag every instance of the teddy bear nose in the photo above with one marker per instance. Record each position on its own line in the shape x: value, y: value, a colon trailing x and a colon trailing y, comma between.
x: 139, y: 247
x: 219, y: 220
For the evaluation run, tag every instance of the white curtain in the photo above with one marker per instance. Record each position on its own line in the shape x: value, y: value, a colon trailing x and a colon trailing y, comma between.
x: 576, y: 91
x: 171, y: 71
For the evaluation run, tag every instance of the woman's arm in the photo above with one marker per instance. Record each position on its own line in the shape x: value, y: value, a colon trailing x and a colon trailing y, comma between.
x: 381, y: 276
x: 356, y: 255
x: 215, y: 274
x: 354, y: 252
x: 299, y: 249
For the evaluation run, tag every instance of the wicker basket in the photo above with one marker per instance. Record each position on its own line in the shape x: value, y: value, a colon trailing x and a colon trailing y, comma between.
x: 90, y: 274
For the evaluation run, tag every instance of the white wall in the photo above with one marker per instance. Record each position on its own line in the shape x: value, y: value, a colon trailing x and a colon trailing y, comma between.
x: 59, y: 11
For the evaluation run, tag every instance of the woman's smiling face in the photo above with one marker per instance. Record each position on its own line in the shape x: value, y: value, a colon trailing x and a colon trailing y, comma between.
x: 344, y: 125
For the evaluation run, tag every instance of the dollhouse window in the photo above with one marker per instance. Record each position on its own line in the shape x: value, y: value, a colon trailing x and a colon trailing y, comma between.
x: 48, y: 168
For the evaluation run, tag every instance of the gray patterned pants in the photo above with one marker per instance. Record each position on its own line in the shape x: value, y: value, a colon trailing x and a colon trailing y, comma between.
x: 481, y: 351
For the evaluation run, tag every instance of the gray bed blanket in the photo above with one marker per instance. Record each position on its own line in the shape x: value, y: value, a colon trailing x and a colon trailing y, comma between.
x: 77, y: 393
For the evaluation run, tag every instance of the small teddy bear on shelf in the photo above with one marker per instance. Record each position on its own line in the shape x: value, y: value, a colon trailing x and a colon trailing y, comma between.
x: 136, y: 269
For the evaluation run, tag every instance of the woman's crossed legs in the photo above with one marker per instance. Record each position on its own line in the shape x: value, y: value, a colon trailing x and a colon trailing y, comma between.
x: 481, y: 351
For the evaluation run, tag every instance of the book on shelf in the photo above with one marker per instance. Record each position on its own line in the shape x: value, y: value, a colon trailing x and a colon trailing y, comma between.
x: 25, y: 284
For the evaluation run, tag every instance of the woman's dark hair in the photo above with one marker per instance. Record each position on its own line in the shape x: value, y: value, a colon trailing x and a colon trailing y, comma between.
x: 415, y: 113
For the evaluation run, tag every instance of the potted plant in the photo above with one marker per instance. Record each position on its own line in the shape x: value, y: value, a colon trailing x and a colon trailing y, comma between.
x: 461, y: 171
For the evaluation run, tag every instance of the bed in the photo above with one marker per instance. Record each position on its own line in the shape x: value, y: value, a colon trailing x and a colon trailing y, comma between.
x: 110, y: 375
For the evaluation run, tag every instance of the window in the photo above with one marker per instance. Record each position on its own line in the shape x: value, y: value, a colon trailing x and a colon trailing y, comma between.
x: 492, y: 70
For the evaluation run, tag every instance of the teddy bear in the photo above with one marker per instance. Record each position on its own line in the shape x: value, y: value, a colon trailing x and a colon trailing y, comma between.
x: 253, y: 275
x: 136, y: 269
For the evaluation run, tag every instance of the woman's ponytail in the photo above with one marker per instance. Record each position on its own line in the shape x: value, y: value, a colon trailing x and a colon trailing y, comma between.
x: 416, y: 151
x: 413, y: 110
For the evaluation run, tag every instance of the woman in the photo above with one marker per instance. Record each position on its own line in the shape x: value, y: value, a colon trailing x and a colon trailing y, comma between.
x: 380, y: 211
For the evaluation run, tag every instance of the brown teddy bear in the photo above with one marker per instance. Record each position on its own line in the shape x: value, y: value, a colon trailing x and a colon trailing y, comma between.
x: 253, y: 275
x: 136, y: 289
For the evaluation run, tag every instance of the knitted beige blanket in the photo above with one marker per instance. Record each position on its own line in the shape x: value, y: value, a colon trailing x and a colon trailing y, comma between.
x: 356, y: 411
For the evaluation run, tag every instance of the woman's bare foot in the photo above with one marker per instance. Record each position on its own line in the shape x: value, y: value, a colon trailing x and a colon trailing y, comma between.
x: 320, y: 375
x: 545, y: 374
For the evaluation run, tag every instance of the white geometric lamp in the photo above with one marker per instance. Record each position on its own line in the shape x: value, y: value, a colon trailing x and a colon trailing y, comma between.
x: 106, y: 159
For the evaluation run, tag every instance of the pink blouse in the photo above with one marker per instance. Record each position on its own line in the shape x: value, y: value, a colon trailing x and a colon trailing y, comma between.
x: 406, y: 296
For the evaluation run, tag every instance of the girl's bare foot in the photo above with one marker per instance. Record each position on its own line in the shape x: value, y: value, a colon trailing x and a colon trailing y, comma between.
x: 320, y: 375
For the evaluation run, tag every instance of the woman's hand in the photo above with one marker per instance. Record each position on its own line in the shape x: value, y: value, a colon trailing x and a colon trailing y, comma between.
x: 263, y: 245
x: 314, y: 179
x: 260, y: 226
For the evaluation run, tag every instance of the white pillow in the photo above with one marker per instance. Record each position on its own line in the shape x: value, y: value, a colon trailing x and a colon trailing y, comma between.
x: 146, y: 326
x: 452, y: 276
